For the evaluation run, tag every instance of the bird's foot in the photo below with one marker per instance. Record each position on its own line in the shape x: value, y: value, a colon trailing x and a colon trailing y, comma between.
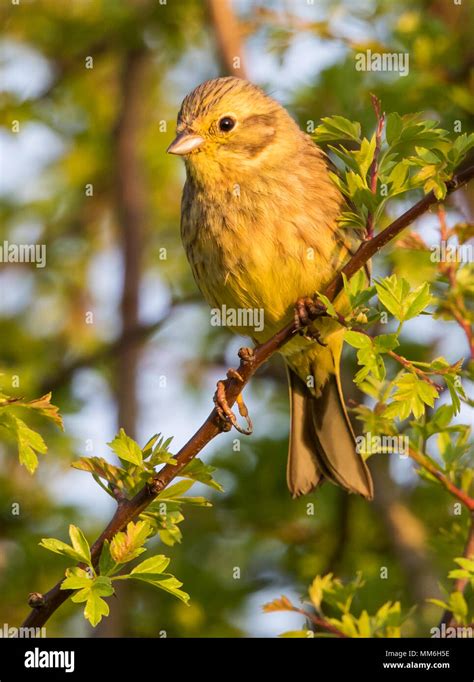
x: 306, y: 311
x: 224, y: 412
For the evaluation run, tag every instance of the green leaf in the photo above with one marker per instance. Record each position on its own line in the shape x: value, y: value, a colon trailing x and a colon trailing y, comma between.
x: 80, y: 544
x: 437, y: 186
x: 90, y: 590
x: 412, y: 394
x: 170, y: 535
x: 127, y: 449
x: 59, y: 547
x: 438, y: 602
x: 368, y: 356
x: 414, y: 132
x: 29, y: 442
x: 385, y: 342
x: 319, y: 587
x: 363, y: 624
x: 127, y: 546
x: 42, y: 405
x: 393, y: 127
x: 167, y: 582
x: 106, y: 562
x: 76, y: 579
x: 427, y: 156
x: 442, y: 417
x: 356, y: 288
x: 398, y: 179
x: 453, y: 392
x: 330, y: 309
x: 467, y: 564
x: 153, y: 565
x: 458, y: 605
x: 100, y: 467
x: 151, y: 572
x: 346, y: 156
x: 365, y: 155
x: 95, y: 608
x: 351, y: 220
x: 462, y: 144
x: 176, y: 490
x: 358, y: 340
x: 160, y: 453
x: 336, y: 128
x: 392, y: 293
x: 417, y: 301
x: 148, y: 449
x: 198, y: 471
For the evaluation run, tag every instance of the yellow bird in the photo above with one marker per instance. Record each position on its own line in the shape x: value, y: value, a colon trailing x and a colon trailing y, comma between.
x: 259, y: 226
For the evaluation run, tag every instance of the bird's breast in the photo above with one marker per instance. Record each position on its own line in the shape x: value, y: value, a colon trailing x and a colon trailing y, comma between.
x: 259, y: 251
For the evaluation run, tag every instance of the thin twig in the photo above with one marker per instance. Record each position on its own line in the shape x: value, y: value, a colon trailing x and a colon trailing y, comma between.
x: 368, y: 249
x: 425, y: 463
x: 320, y: 622
x: 374, y: 168
x: 226, y: 29
x: 457, y: 307
x: 410, y: 366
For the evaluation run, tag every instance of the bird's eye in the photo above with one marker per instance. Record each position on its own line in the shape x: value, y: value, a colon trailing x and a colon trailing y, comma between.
x: 226, y: 124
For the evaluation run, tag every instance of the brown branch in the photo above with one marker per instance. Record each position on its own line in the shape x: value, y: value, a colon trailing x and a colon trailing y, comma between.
x: 250, y: 361
x: 130, y: 206
x: 410, y: 366
x: 407, y: 364
x: 424, y: 462
x: 321, y: 623
x: 370, y: 248
x: 228, y: 37
x: 466, y: 327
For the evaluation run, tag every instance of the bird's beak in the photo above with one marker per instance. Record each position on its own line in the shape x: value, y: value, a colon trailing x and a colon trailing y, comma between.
x: 184, y: 143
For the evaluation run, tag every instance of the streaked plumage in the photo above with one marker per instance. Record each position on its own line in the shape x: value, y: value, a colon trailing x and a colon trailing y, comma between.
x: 259, y: 226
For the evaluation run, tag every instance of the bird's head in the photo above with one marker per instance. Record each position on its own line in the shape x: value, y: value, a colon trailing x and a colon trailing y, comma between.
x: 228, y: 125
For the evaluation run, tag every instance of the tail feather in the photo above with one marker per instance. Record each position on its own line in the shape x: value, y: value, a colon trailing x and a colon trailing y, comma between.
x: 322, y: 443
x: 303, y: 473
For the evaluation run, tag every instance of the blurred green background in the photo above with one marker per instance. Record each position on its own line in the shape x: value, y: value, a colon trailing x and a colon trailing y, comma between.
x: 114, y: 324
